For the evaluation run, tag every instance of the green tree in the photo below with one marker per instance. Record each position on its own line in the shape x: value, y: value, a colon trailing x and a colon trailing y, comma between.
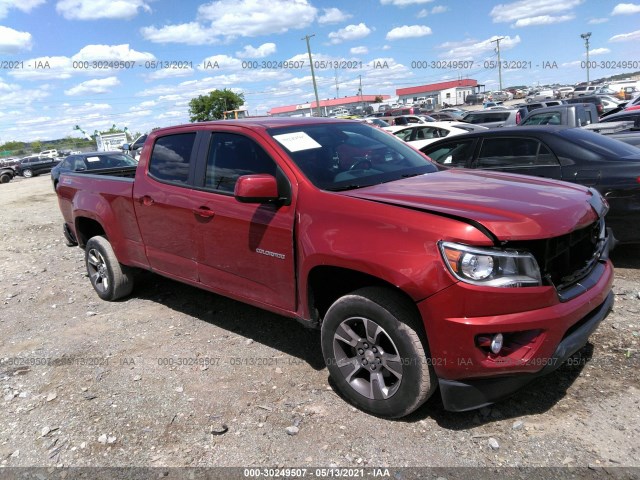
x: 378, y: 99
x: 36, y: 146
x: 211, y: 106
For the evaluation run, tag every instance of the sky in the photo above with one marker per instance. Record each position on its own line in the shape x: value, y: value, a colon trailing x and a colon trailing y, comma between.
x: 137, y: 63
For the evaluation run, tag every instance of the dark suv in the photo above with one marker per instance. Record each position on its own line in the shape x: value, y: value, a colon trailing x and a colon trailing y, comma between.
x: 35, y: 165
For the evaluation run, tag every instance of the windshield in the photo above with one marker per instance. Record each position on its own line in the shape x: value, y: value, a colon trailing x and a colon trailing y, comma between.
x: 347, y: 155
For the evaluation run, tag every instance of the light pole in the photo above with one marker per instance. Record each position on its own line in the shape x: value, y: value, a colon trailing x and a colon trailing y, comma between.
x: 313, y: 75
x: 497, y: 40
x: 586, y: 36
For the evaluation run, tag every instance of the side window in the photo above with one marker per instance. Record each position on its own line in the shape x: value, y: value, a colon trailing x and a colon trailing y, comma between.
x: 452, y: 154
x: 508, y: 152
x: 548, y: 118
x: 230, y: 157
x: 405, y: 134
x: 545, y: 157
x: 170, y: 158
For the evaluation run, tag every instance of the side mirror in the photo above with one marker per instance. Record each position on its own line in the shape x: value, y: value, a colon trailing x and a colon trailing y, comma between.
x: 126, y: 146
x: 259, y: 188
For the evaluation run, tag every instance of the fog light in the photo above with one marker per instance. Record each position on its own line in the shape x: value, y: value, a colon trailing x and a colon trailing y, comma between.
x: 496, y: 343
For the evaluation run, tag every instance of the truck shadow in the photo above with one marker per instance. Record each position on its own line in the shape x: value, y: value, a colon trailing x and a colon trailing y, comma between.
x: 626, y: 256
x: 538, y: 397
x: 283, y: 334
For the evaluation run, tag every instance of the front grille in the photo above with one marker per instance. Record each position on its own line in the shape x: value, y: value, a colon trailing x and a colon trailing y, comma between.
x: 565, y: 260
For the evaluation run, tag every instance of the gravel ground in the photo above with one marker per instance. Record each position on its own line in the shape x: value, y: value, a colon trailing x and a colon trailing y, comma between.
x: 174, y: 376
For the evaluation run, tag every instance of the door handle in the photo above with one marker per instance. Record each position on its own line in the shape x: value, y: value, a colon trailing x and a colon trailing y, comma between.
x: 146, y: 200
x: 204, y: 212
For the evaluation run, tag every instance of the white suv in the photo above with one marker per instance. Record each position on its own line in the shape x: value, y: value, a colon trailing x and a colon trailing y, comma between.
x: 49, y: 153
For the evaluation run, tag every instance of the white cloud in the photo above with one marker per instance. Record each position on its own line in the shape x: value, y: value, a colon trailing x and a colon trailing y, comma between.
x: 626, y: 37
x: 333, y: 15
x: 597, y: 21
x: 597, y: 51
x: 13, y: 41
x: 541, y: 20
x: 407, y: 31
x: 249, y: 18
x: 471, y: 49
x: 96, y: 86
x: 262, y: 51
x: 112, y: 53
x: 359, y: 51
x: 625, y: 9
x: 176, y: 72
x: 534, y: 12
x: 439, y: 9
x: 96, y: 9
x: 350, y: 32
x: 188, y: 33
x: 423, y: 13
x: 23, y: 5
x: 404, y: 3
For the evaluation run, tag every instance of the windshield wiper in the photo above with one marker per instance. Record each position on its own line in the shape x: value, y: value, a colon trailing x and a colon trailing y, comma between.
x: 346, y: 187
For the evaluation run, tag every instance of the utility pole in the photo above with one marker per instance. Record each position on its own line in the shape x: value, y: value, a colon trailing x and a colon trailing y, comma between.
x: 360, y: 92
x: 497, y: 40
x: 586, y: 36
x: 337, y: 86
x: 313, y: 75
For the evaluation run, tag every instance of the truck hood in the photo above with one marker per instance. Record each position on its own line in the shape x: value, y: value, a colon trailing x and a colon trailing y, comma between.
x: 510, y: 207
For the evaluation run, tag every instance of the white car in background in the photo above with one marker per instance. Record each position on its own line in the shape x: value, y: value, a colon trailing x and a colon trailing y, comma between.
x: 423, y: 134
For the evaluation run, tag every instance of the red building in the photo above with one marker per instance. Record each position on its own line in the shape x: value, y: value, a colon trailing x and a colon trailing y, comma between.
x: 452, y: 92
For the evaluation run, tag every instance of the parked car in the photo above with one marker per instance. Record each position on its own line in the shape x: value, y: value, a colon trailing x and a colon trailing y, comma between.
x: 35, y: 165
x: 571, y: 154
x: 91, y: 161
x: 420, y: 135
x: 6, y: 174
x: 443, y: 116
x: 475, y: 98
x: 565, y: 92
x: 624, y: 115
x: 493, y: 118
x: 456, y: 112
x: 500, y: 96
x: 541, y: 95
x: 597, y: 101
x: 582, y: 90
x: 49, y: 153
x: 403, y: 268
x: 573, y: 115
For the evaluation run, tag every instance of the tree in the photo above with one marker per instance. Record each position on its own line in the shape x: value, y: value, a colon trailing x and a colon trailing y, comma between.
x: 378, y: 99
x: 36, y: 146
x: 211, y: 106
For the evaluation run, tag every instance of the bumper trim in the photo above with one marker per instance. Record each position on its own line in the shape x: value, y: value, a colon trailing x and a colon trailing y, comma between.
x: 463, y: 395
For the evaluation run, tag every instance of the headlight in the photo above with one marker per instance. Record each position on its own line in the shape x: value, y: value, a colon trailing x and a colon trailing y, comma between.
x: 491, y: 267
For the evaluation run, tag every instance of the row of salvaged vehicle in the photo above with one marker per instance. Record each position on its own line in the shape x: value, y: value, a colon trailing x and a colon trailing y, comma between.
x: 560, y: 142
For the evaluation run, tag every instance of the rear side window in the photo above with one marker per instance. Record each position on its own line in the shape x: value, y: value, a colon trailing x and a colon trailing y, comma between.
x: 514, y: 152
x: 230, y: 157
x: 170, y: 158
x: 546, y: 118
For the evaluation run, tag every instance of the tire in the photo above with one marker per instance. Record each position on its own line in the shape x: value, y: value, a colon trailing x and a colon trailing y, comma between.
x: 27, y: 173
x: 5, y: 178
x: 110, y: 279
x: 373, y: 336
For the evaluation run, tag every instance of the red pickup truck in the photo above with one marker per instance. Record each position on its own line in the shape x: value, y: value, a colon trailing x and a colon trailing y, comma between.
x: 418, y: 277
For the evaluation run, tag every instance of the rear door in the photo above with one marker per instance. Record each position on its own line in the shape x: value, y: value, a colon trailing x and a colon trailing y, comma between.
x: 165, y: 207
x: 244, y: 249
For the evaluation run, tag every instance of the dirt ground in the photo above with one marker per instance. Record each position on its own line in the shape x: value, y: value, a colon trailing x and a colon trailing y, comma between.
x: 174, y: 376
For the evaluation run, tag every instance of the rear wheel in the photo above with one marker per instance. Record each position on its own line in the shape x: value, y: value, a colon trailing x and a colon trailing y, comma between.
x: 5, y: 178
x: 375, y: 353
x: 110, y: 279
x: 27, y: 173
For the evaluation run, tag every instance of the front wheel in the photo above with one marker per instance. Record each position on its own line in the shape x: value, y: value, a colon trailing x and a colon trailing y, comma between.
x: 375, y: 353
x: 5, y: 178
x: 27, y: 173
x: 110, y: 279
